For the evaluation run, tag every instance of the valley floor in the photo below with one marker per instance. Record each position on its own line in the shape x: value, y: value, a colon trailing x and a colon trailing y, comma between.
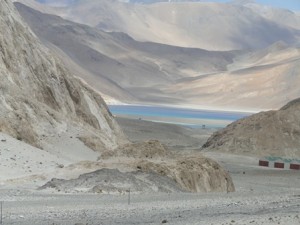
x: 263, y: 196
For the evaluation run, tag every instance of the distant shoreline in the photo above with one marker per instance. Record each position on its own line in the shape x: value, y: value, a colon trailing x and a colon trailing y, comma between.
x: 175, y: 115
x: 187, y: 106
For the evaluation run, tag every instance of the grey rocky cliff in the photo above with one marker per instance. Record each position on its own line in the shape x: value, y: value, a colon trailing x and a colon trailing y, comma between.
x: 267, y: 133
x: 38, y: 96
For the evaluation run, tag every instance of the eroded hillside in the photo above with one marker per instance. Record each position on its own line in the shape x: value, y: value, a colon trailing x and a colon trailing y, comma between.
x: 39, y: 96
x: 267, y: 133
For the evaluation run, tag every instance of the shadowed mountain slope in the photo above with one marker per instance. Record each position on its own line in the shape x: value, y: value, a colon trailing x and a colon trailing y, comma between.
x: 116, y: 64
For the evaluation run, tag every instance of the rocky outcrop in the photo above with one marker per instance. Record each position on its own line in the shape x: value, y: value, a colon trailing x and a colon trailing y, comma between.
x: 193, y: 174
x: 39, y: 97
x: 171, y: 173
x: 267, y: 133
x: 113, y: 181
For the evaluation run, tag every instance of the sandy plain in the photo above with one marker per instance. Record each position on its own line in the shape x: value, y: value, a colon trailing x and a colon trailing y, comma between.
x: 263, y: 195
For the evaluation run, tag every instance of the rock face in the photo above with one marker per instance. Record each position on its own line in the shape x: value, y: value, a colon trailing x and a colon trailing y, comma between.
x: 267, y: 133
x: 38, y: 96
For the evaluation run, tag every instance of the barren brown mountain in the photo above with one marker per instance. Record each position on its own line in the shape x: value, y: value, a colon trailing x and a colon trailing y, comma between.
x: 274, y: 133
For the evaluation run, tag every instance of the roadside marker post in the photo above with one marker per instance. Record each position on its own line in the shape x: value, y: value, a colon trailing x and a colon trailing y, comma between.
x: 129, y: 196
x: 1, y: 212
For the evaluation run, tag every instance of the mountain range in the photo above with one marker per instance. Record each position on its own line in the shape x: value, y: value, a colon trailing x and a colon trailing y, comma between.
x: 256, y: 70
x: 242, y: 27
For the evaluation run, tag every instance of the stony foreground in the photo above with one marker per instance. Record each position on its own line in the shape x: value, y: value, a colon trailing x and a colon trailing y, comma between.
x: 175, y: 209
x: 263, y: 196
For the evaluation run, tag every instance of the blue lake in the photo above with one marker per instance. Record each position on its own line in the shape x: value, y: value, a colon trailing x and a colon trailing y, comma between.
x: 193, y: 117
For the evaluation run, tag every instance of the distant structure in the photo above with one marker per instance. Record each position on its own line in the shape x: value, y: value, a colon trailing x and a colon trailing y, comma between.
x: 280, y: 163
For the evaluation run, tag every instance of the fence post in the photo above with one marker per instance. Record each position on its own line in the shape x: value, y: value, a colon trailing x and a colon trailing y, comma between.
x: 1, y: 212
x: 129, y: 196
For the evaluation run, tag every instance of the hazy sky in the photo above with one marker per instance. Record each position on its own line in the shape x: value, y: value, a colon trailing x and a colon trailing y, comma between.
x: 288, y: 4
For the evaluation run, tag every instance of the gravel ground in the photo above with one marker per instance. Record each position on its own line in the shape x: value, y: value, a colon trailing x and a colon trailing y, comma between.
x: 263, y: 196
x: 234, y: 208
